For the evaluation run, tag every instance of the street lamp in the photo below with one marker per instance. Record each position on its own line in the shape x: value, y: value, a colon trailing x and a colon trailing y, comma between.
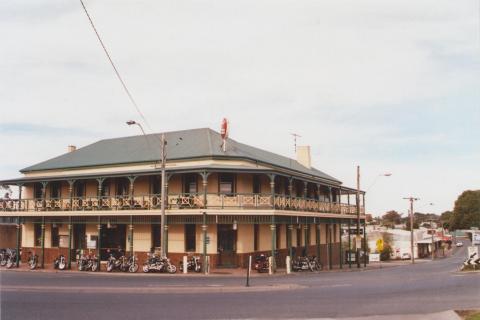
x: 386, y: 174
x: 162, y: 192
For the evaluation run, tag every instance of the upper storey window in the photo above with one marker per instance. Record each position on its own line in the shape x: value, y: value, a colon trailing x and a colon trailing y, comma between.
x: 190, y: 183
x: 226, y: 183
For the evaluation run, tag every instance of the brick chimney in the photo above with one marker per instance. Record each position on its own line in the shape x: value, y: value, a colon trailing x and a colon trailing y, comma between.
x: 303, y: 156
x: 72, y: 148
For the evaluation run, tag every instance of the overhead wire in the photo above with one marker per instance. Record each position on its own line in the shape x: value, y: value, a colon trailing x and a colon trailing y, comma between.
x: 130, y: 96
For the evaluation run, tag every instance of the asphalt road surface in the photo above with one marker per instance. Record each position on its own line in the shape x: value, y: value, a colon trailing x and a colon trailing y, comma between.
x: 408, y: 289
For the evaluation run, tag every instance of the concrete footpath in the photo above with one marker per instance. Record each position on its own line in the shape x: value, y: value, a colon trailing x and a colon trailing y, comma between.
x: 239, y: 272
x: 445, y: 315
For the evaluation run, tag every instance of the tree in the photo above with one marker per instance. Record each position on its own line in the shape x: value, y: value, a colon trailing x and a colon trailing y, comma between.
x: 391, y: 218
x: 466, y: 213
x: 446, y: 219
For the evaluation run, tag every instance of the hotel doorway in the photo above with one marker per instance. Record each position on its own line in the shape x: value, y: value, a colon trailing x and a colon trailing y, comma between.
x: 226, y: 246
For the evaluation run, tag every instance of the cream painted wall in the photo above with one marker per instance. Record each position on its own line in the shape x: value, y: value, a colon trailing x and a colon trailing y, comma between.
x: 283, y: 236
x: 265, y: 237
x: 244, y: 183
x: 91, y: 188
x: 142, y: 235
x: 28, y: 235
x: 212, y: 234
x: 176, y: 238
x: 175, y: 184
x: 313, y: 234
x: 141, y: 186
x: 212, y: 186
x: 244, y: 238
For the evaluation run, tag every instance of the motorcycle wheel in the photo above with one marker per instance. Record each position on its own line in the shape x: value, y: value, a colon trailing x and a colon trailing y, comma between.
x: 33, y: 264
x: 171, y: 268
x: 146, y: 269
x: 9, y: 264
x: 80, y: 267
x: 61, y: 266
x: 3, y: 263
x: 109, y: 267
x: 133, y: 268
x: 94, y: 266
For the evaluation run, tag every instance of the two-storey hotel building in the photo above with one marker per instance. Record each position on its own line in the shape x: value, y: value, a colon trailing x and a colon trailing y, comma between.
x: 225, y: 203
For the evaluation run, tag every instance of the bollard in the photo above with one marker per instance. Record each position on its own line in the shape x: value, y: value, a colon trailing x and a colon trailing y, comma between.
x: 207, y: 267
x: 270, y: 265
x: 249, y: 268
x: 185, y: 264
x: 288, y: 264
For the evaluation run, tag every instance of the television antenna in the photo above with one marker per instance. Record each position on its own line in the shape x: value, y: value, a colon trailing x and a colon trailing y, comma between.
x: 295, y: 136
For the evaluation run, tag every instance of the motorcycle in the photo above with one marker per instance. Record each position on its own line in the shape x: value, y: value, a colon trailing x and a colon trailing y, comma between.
x: 193, y: 264
x: 32, y: 261
x: 114, y: 263
x: 159, y: 264
x: 87, y: 263
x: 60, y: 262
x: 3, y: 257
x: 132, y: 264
x: 261, y: 263
x: 11, y: 255
x: 306, y: 263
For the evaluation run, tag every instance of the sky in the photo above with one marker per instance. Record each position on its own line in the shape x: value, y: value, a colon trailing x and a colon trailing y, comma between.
x: 391, y: 86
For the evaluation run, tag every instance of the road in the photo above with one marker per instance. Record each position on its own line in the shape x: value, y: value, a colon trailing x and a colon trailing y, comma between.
x: 409, y: 289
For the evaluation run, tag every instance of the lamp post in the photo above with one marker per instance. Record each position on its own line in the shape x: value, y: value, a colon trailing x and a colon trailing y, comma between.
x: 386, y: 174
x: 162, y: 195
x: 411, y: 199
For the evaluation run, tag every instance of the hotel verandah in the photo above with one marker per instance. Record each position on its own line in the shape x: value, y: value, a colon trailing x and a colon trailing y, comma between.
x: 249, y: 200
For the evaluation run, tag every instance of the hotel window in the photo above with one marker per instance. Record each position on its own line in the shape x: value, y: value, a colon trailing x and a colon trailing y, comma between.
x: 190, y: 183
x: 278, y: 232
x: 55, y: 236
x: 226, y: 183
x: 190, y: 238
x: 256, y: 184
x: 105, y: 188
x: 37, y: 234
x: 299, y: 236
x: 80, y: 189
x: 155, y: 185
x: 122, y: 187
x: 55, y: 190
x: 37, y: 190
x: 155, y: 235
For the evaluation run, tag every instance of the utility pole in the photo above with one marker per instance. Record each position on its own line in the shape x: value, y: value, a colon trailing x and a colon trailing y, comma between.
x: 162, y: 195
x: 411, y: 199
x: 358, y: 238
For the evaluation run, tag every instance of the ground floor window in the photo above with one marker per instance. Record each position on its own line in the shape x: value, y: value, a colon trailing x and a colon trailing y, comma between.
x: 155, y: 236
x: 256, y: 235
x: 190, y: 238
x: 54, y: 236
x: 37, y: 234
x: 278, y: 232
x: 299, y: 235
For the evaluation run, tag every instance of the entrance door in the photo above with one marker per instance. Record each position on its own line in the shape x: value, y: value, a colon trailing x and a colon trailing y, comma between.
x: 113, y: 239
x: 79, y: 241
x: 226, y: 245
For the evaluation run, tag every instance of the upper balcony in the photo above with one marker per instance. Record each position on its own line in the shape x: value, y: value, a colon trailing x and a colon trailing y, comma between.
x: 238, y: 201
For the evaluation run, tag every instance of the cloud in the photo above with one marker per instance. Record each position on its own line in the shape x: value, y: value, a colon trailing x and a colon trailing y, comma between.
x: 384, y: 84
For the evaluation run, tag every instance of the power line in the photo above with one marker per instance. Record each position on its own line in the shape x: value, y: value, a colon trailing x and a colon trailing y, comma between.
x: 132, y: 100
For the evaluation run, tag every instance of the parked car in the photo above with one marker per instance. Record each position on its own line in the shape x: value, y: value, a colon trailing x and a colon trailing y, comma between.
x: 459, y: 244
x: 406, y: 256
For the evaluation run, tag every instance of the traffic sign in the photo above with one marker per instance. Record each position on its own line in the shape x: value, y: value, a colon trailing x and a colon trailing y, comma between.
x: 379, y: 245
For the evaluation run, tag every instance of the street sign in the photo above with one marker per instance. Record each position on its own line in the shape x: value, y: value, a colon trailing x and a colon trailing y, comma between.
x: 472, y: 252
x: 379, y: 245
x: 476, y: 239
x: 374, y: 257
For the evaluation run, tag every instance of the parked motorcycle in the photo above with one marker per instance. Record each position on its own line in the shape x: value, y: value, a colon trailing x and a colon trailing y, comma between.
x: 193, y: 264
x: 158, y: 264
x: 32, y: 261
x: 3, y: 257
x: 87, y: 263
x: 11, y: 256
x: 114, y: 263
x: 261, y: 263
x: 306, y: 263
x: 60, y: 262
